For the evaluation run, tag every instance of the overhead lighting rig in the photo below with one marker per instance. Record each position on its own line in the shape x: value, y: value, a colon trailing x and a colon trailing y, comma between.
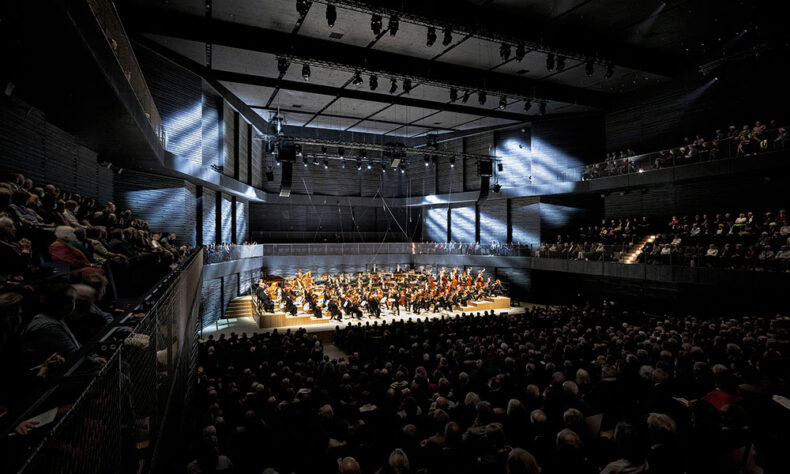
x: 407, y: 85
x: 502, y: 102
x: 448, y: 36
x: 431, y: 36
x: 393, y: 25
x: 282, y: 65
x: 560, y: 62
x: 481, y: 97
x: 357, y: 80
x: 306, y: 72
x: 504, y: 52
x: 373, y: 82
x: 521, y: 51
x: 303, y: 7
x: 331, y: 15
x: 453, y: 95
x: 393, y: 86
x: 376, y: 24
x: 589, y: 67
x: 550, y: 62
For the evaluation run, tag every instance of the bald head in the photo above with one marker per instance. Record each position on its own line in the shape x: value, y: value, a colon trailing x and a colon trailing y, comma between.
x: 349, y: 465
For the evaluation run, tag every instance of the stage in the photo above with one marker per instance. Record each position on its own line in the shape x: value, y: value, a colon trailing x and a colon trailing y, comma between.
x: 241, y: 317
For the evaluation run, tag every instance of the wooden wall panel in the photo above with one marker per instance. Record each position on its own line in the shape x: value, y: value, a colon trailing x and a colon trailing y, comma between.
x: 226, y: 218
x: 258, y: 169
x: 229, y: 133
x: 462, y: 224
x: 493, y: 221
x: 243, y: 133
x: 435, y: 226
x: 525, y: 220
x: 209, y: 216
x: 242, y: 221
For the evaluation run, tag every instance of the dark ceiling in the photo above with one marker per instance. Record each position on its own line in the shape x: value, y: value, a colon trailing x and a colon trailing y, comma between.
x: 645, y: 42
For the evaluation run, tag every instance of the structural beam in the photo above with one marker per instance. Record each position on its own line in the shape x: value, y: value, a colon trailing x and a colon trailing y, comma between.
x: 251, y: 38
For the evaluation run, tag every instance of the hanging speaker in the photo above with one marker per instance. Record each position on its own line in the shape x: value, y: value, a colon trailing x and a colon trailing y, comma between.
x: 485, y: 167
x: 270, y: 175
x: 285, y: 182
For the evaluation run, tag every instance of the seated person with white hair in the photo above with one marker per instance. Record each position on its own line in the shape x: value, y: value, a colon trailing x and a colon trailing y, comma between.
x: 62, y: 250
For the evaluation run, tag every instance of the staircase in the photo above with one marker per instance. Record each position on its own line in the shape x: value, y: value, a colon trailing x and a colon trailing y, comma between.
x: 239, y: 307
x: 637, y: 249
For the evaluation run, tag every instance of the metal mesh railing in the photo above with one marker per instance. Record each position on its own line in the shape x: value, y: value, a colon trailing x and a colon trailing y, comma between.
x: 133, y: 408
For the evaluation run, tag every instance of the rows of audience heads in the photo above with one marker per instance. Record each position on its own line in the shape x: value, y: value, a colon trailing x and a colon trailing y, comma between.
x: 580, y: 389
x: 744, y: 240
x: 57, y: 248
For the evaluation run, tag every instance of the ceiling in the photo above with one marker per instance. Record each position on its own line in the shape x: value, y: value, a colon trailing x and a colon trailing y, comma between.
x: 648, y: 42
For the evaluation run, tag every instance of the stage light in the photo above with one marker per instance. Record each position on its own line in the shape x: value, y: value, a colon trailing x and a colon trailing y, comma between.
x: 323, y: 149
x: 465, y: 98
x: 527, y: 105
x: 504, y: 52
x: 331, y: 15
x: 609, y: 70
x: 357, y: 81
x: 589, y: 67
x: 427, y: 161
x: 326, y: 164
x: 452, y: 162
x: 343, y: 163
x: 376, y: 23
x: 407, y: 85
x: 499, y: 166
x: 393, y: 86
x: 431, y: 36
x: 383, y: 168
x: 521, y: 51
x: 481, y: 97
x: 302, y: 7
x: 448, y: 36
x: 496, y: 187
x: 370, y: 165
x: 282, y: 65
x: 304, y: 161
x: 393, y: 25
x: 453, y: 95
x: 550, y: 62
x: 363, y: 153
x: 402, y: 168
x: 359, y: 165
x: 315, y: 161
x: 560, y: 63
x: 373, y: 82
x: 542, y: 108
x: 306, y: 72
x: 298, y: 149
x: 502, y: 102
x: 341, y: 151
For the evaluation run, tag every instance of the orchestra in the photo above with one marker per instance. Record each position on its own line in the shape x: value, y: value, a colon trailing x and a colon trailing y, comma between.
x: 370, y: 292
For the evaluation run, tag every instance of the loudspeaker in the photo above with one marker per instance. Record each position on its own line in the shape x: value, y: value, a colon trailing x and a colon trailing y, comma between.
x: 287, y: 152
x: 269, y: 175
x: 485, y: 167
x: 484, y: 184
x: 287, y: 175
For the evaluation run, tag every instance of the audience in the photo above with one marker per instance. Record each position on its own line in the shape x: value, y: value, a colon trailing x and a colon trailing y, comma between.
x: 557, y: 390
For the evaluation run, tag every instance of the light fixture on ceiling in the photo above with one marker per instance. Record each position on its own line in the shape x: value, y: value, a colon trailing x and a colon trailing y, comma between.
x: 326, y: 164
x: 331, y: 15
x: 504, y: 52
x: 376, y: 23
x: 315, y: 161
x: 363, y: 153
x: 370, y: 165
x: 560, y: 62
x: 542, y: 108
x: 527, y: 105
x: 357, y: 80
x: 496, y: 187
x: 431, y: 36
x: 448, y: 36
x: 550, y: 62
x: 427, y: 161
x: 298, y: 149
x: 589, y: 67
x: 465, y: 98
x: 502, y: 102
x: 341, y: 152
x: 323, y: 149
x: 373, y: 82
x: 393, y: 86
x: 393, y: 25
x: 383, y: 168
x: 453, y: 95
x: 609, y: 70
x: 407, y: 85
x: 302, y: 7
x: 402, y: 168
x: 359, y: 164
x: 521, y: 51
x: 306, y: 72
x: 481, y: 97
x: 452, y: 162
x: 304, y: 161
x: 343, y: 163
x: 282, y: 65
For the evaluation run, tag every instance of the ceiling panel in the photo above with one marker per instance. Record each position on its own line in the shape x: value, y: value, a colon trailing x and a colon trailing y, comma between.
x: 305, y: 101
x: 485, y: 122
x: 291, y: 118
x: 190, y: 49
x: 185, y: 6
x: 352, y: 25
x: 332, y: 123
x: 409, y: 131
x: 373, y: 127
x: 278, y: 15
x: 250, y: 95
x: 354, y: 108
x: 474, y: 52
x: 445, y: 119
x: 403, y: 114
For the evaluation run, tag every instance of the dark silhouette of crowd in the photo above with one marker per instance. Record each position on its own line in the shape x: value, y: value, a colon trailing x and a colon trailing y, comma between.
x: 580, y: 389
x: 60, y: 252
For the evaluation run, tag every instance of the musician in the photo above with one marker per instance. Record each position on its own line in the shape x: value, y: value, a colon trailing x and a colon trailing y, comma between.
x: 290, y: 307
x: 334, y: 311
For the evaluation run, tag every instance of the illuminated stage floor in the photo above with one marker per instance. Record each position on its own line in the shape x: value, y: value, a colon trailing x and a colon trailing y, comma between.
x: 249, y: 325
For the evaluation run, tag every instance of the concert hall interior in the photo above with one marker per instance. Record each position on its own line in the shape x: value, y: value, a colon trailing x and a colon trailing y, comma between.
x: 394, y: 236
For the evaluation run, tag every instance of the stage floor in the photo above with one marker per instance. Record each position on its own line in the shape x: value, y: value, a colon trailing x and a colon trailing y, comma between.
x: 249, y: 325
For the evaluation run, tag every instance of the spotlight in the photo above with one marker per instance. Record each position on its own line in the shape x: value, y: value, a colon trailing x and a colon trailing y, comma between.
x: 431, y: 36
x: 304, y: 161
x: 343, y: 163
x: 407, y: 85
x: 298, y: 149
x: 504, y: 52
x: 560, y: 63
x: 521, y: 51
x: 527, y: 105
x: 452, y: 162
x: 481, y: 97
x: 306, y: 72
x: 323, y: 149
x: 609, y: 70
x: 315, y: 161
x: 370, y: 165
x: 502, y: 102
x: 373, y: 82
x: 363, y: 153
x: 376, y: 23
x: 359, y: 165
x: 282, y: 65
x: 465, y: 98
x: 496, y: 187
x: 589, y: 67
x: 326, y: 164
x: 341, y: 152
x: 393, y: 25
x: 357, y: 81
x: 453, y: 95
x: 448, y: 36
x: 402, y: 168
x: 427, y: 161
x: 499, y: 167
x: 542, y: 108
x: 550, y: 62
x: 331, y: 15
x: 393, y: 86
x: 303, y: 6
x: 383, y: 168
